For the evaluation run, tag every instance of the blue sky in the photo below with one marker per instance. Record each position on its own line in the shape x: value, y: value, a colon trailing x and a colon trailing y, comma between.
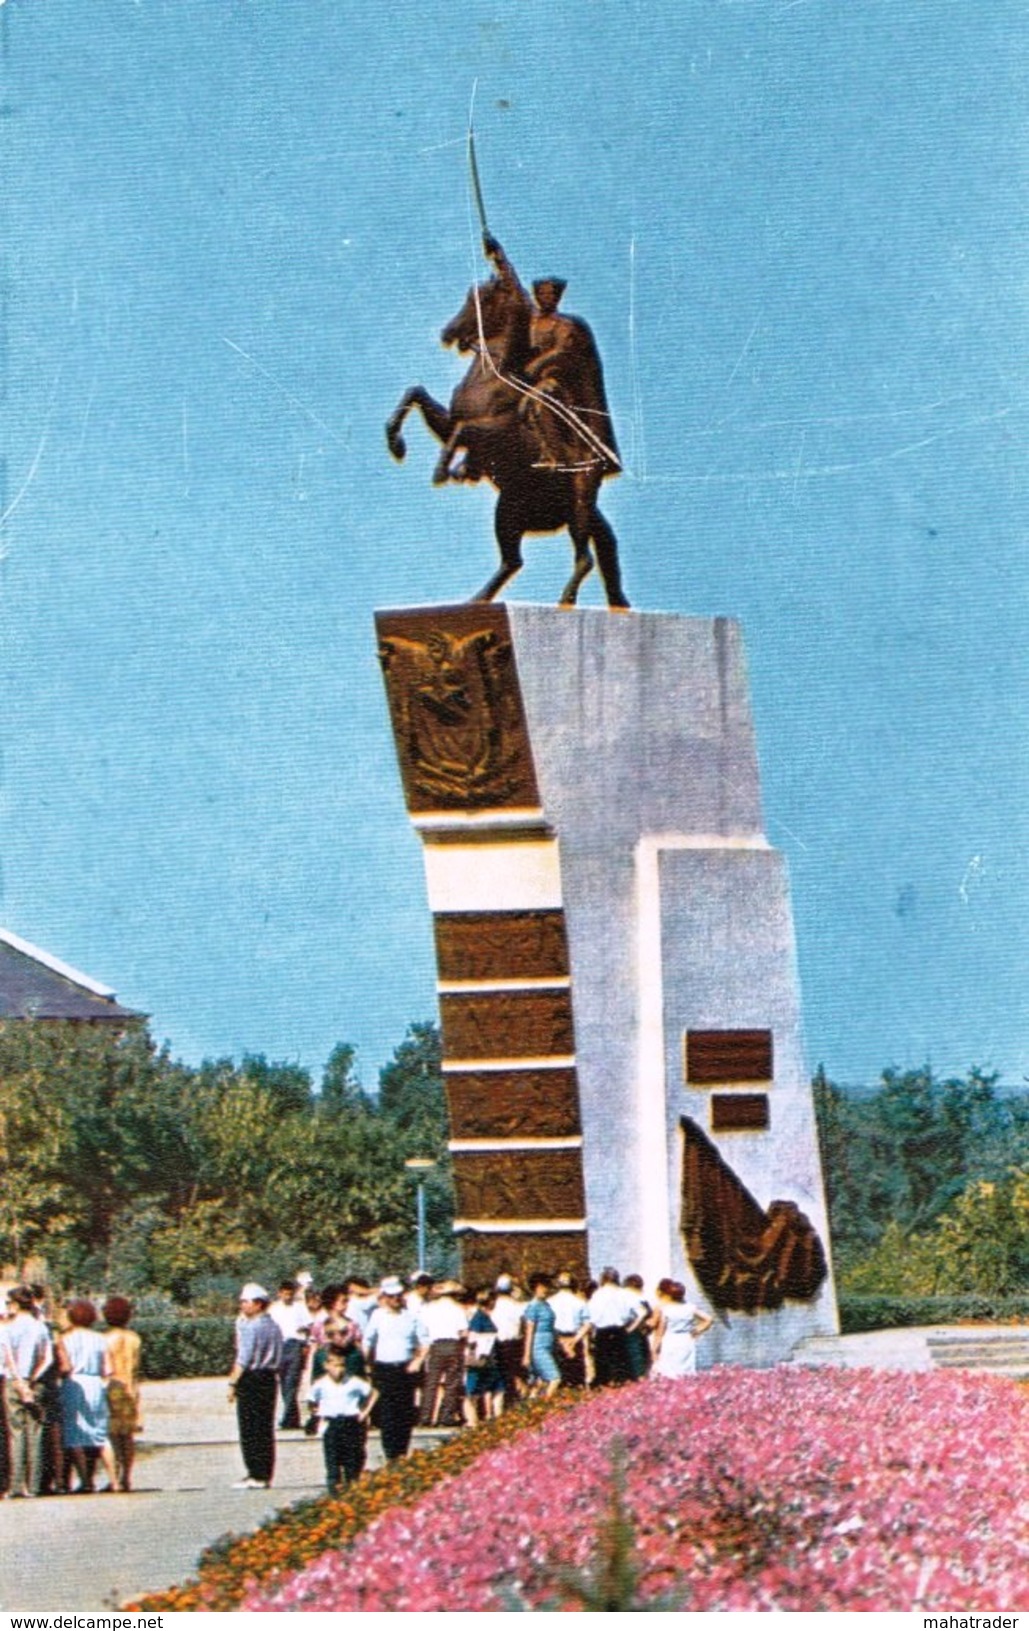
x: 232, y: 233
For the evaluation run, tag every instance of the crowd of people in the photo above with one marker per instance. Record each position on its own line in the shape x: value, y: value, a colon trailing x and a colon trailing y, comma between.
x: 329, y: 1362
x: 437, y: 1354
x: 70, y: 1395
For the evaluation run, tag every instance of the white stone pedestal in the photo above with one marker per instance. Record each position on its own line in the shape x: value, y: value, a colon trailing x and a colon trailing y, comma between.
x: 616, y: 951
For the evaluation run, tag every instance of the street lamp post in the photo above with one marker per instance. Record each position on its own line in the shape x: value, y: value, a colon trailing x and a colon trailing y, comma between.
x: 421, y: 1166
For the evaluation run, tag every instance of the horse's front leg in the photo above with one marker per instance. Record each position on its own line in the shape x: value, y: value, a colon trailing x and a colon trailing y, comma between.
x: 451, y: 443
x: 436, y: 417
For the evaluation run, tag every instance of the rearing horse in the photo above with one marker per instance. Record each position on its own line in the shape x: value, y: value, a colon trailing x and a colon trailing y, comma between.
x: 487, y: 431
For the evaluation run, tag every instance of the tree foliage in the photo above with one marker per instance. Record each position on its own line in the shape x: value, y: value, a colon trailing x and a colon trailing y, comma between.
x: 120, y: 1164
x: 924, y: 1182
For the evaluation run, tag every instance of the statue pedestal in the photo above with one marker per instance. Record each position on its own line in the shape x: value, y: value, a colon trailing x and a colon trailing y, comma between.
x: 617, y: 975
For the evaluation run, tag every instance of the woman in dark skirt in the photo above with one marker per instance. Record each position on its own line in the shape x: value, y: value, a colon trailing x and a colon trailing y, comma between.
x: 484, y: 1380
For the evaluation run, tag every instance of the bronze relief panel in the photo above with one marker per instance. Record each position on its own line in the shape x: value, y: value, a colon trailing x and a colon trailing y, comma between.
x: 512, y: 1103
x: 483, y: 1257
x: 745, y: 1257
x: 501, y: 945
x: 519, y: 1183
x: 507, y: 1024
x: 713, y: 1057
x: 456, y: 708
x: 739, y: 1112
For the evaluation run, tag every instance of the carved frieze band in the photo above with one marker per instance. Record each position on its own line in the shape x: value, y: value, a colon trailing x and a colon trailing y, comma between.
x: 484, y: 1256
x: 456, y: 707
x: 513, y: 1103
x: 500, y: 945
x: 519, y: 1183
x: 466, y: 759
x: 716, y: 1057
x: 507, y: 1024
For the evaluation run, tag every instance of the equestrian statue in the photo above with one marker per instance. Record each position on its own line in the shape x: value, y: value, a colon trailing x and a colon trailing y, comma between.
x: 530, y: 416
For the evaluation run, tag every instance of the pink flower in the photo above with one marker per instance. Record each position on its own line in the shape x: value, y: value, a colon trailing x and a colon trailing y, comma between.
x: 782, y: 1489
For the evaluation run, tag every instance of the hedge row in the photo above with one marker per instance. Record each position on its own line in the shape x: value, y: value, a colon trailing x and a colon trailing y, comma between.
x: 203, y: 1345
x: 882, y: 1313
x: 192, y: 1346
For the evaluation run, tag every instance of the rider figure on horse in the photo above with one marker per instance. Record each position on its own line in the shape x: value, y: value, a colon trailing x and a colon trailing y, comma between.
x: 530, y: 415
x: 566, y: 405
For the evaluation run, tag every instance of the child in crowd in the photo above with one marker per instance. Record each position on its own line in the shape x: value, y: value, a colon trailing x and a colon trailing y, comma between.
x: 314, y: 1356
x: 343, y: 1400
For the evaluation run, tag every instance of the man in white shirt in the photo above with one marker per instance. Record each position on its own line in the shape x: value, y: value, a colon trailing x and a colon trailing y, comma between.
x: 610, y: 1312
x: 361, y: 1301
x: 419, y: 1293
x: 393, y: 1346
x: 506, y: 1314
x: 570, y: 1320
x: 446, y: 1324
x: 289, y: 1311
x: 27, y: 1356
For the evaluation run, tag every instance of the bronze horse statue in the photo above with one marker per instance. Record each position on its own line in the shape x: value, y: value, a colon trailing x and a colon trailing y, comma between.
x: 492, y: 429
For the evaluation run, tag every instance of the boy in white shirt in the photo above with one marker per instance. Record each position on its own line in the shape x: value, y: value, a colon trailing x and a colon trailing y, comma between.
x: 343, y: 1399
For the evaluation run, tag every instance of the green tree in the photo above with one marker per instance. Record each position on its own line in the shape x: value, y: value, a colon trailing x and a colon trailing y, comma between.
x: 90, y: 1117
x: 981, y: 1242
x: 412, y: 1103
x: 411, y: 1089
x: 896, y: 1159
x: 898, y: 1265
x: 206, y: 1239
x: 929, y: 1132
x: 288, y: 1086
x: 119, y: 1162
x: 341, y: 1088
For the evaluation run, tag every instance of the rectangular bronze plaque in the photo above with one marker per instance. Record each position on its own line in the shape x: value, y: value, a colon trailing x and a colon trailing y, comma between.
x: 483, y: 1257
x: 512, y: 1103
x: 739, y: 1112
x: 728, y: 1056
x: 500, y: 945
x: 507, y: 1025
x: 519, y: 1183
x: 456, y: 708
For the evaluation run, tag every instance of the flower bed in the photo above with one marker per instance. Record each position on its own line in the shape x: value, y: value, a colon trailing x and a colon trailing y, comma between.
x: 787, y: 1490
x: 285, y: 1542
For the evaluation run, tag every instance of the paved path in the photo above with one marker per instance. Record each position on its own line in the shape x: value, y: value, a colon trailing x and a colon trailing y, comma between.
x: 94, y: 1552
x: 923, y: 1347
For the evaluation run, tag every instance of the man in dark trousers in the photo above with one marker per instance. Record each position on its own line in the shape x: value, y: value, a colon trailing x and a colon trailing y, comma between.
x: 393, y: 1346
x: 289, y: 1311
x: 253, y: 1380
x: 609, y: 1313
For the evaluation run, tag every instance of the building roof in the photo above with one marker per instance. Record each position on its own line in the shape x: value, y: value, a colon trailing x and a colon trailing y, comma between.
x: 34, y: 985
